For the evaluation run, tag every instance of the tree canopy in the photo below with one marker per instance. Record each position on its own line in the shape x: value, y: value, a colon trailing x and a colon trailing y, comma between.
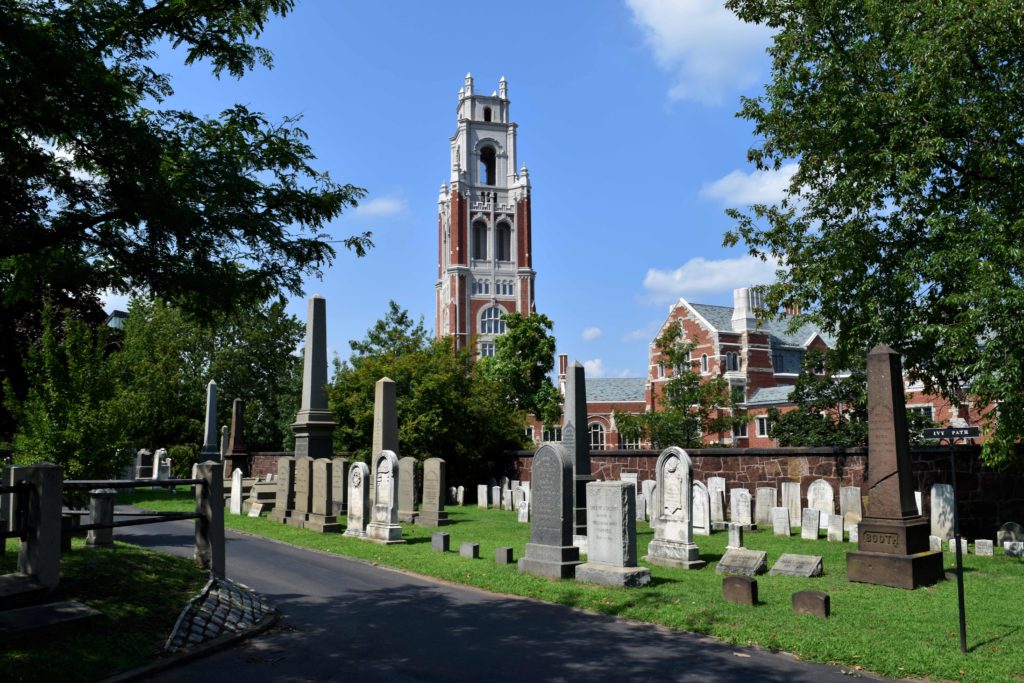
x: 105, y: 188
x: 904, y: 220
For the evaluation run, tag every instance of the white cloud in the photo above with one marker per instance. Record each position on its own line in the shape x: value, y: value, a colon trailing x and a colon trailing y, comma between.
x: 594, y: 367
x: 591, y: 333
x: 701, y: 276
x: 706, y: 47
x: 644, y: 333
x: 381, y: 206
x: 756, y: 187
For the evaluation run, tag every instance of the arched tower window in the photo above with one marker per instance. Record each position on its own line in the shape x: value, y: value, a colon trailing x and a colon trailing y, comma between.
x: 487, y: 113
x: 491, y: 322
x: 479, y: 240
x: 487, y: 165
x: 504, y: 246
x: 596, y: 436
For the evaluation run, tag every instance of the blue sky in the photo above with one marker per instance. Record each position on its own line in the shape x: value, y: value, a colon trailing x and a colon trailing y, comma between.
x: 626, y: 113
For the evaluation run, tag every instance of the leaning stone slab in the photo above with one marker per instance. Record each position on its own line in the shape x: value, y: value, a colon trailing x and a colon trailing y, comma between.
x: 743, y: 562
x: 983, y: 547
x: 805, y: 566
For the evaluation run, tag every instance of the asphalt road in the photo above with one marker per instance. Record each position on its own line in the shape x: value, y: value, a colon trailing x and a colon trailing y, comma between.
x: 346, y: 620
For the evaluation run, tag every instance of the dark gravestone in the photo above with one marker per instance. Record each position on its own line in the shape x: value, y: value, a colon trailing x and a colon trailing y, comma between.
x: 321, y: 516
x: 741, y: 590
x: 893, y: 548
x: 407, y: 490
x: 550, y: 551
x: 576, y: 439
x: 236, y: 441
x: 339, y: 484
x: 814, y: 603
x: 284, y: 500
x: 432, y: 511
x: 303, y: 492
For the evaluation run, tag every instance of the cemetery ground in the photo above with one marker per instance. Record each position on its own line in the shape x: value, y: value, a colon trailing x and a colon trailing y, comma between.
x: 887, y: 631
x: 139, y: 593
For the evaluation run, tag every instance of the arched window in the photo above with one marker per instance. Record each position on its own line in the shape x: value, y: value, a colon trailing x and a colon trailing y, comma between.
x: 479, y: 240
x: 596, y: 436
x: 704, y: 362
x: 487, y: 165
x: 491, y: 322
x: 487, y: 113
x: 504, y: 246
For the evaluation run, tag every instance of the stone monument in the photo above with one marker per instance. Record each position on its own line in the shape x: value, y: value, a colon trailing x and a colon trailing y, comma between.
x: 407, y: 490
x: 673, y: 544
x: 432, y: 512
x: 550, y: 551
x: 314, y: 425
x: 358, y: 499
x: 210, y: 450
x: 320, y: 517
x: 303, y: 488
x: 385, y: 424
x: 236, y: 437
x: 576, y: 439
x: 384, y: 527
x: 284, y: 500
x: 611, y: 536
x: 236, y: 492
x: 893, y: 548
x: 339, y: 484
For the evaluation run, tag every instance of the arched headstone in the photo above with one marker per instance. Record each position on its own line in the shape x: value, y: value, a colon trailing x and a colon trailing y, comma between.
x: 673, y: 544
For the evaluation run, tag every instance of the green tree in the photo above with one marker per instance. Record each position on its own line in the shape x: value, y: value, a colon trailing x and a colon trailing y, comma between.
x: 105, y: 187
x: 521, y: 365
x: 904, y: 220
x: 68, y: 415
x: 446, y: 408
x: 689, y: 406
x: 167, y: 357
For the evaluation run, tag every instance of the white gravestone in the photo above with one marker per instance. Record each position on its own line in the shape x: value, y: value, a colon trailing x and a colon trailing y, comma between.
x: 496, y: 497
x: 735, y: 537
x: 673, y: 544
x: 821, y: 498
x: 460, y: 495
x: 917, y: 501
x: 482, y: 493
x: 641, y: 508
x: 701, y: 509
x: 809, y: 524
x: 611, y: 536
x: 523, y: 512
x: 647, y: 487
x: 835, y: 528
x: 739, y: 507
x: 964, y: 546
x: 717, y: 501
x: 850, y: 505
x: 384, y: 528
x: 983, y: 547
x: 791, y: 501
x: 236, y: 492
x: 780, y: 521
x: 942, y: 511
x: 854, y: 531
x: 764, y: 500
x: 358, y: 499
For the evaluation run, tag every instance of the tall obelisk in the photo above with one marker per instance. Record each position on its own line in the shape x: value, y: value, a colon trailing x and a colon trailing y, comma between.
x: 893, y: 548
x: 576, y: 438
x: 314, y: 426
x: 211, y: 449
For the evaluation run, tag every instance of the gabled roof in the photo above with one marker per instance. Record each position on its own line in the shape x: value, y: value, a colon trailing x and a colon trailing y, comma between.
x: 614, y: 389
x: 770, y: 396
x: 721, y: 318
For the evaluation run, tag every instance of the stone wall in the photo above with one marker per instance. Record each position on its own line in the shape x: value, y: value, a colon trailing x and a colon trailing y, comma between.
x: 987, y: 498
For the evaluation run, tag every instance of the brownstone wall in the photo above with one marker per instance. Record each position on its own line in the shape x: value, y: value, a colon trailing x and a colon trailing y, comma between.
x: 987, y: 498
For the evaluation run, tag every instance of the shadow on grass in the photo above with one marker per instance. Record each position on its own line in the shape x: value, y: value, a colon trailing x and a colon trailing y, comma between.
x: 993, y: 639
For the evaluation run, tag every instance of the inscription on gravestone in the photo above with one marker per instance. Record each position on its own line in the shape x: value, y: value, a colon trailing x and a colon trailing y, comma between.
x: 804, y: 566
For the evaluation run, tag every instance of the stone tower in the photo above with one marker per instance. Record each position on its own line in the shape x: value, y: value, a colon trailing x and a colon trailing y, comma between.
x: 485, y: 264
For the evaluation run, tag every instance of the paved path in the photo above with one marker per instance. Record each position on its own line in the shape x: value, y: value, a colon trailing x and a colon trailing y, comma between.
x: 345, y: 620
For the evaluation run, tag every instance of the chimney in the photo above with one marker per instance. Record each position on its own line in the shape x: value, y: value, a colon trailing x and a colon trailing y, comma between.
x: 744, y: 300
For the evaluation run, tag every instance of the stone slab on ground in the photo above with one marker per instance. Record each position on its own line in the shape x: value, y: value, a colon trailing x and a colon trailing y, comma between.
x: 37, y: 620
x: 790, y: 564
x: 609, y: 575
x: 743, y: 562
x: 20, y: 590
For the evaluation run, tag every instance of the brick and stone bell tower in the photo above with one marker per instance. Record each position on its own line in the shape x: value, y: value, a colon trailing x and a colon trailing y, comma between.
x: 485, y: 264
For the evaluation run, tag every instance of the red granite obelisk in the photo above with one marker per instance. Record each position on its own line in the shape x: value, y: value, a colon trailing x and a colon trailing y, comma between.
x: 893, y: 547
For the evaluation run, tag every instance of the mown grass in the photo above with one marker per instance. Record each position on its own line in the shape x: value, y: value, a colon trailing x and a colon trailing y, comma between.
x: 140, y: 594
x: 889, y: 631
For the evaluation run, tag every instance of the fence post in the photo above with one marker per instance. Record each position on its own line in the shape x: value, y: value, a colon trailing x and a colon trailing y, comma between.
x: 39, y: 556
x: 210, y: 525
x: 101, y: 511
x: 7, y: 478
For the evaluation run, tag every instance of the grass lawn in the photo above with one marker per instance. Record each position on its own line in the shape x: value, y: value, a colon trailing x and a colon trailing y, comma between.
x: 889, y: 631
x: 140, y: 594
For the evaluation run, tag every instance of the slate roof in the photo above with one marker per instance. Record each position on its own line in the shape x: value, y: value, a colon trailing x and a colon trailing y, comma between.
x: 720, y: 318
x: 613, y: 389
x: 770, y: 395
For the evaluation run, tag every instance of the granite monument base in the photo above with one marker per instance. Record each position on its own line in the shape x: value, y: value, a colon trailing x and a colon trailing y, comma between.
x: 355, y: 533
x: 384, y: 533
x: 674, y: 554
x: 295, y: 519
x: 324, y: 524
x: 279, y: 515
x: 431, y: 518
x: 553, y: 561
x: 894, y: 552
x: 610, y: 575
x: 406, y: 517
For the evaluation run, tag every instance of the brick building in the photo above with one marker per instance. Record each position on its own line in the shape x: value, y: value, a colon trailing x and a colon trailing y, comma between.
x: 484, y: 265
